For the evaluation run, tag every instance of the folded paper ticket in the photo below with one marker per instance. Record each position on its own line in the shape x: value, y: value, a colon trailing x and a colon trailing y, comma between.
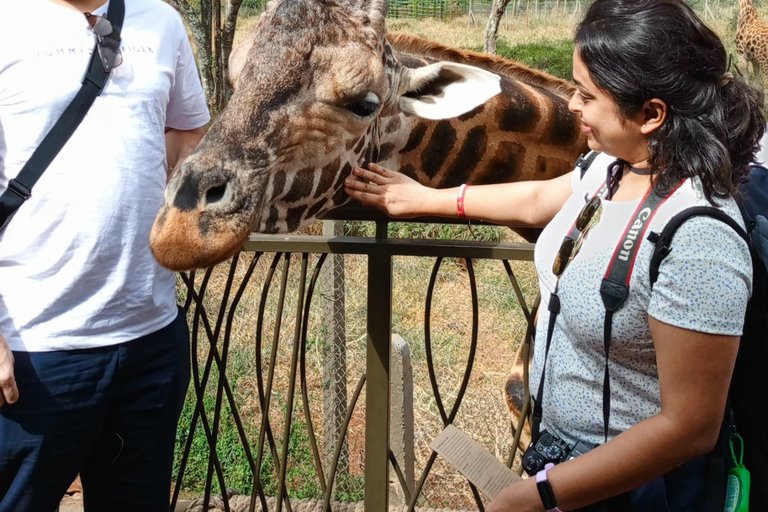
x: 473, y: 461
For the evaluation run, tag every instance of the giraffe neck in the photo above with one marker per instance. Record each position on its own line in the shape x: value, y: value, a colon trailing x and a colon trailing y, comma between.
x: 525, y: 133
x: 747, y: 12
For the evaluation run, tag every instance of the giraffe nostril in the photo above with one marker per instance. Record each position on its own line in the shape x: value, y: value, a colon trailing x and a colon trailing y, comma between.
x: 215, y: 194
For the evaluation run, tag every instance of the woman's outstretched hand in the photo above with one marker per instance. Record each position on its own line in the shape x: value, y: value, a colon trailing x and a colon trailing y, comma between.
x: 394, y: 193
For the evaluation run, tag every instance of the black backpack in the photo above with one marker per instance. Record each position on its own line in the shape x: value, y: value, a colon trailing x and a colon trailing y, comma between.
x: 748, y: 394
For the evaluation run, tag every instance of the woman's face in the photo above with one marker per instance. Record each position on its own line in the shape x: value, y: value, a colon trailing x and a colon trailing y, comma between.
x: 602, y: 122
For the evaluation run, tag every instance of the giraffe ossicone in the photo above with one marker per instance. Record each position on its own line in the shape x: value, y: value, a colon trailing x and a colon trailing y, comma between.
x: 320, y: 88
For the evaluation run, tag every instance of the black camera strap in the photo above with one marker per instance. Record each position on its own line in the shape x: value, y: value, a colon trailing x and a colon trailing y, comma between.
x: 20, y: 188
x: 614, y: 289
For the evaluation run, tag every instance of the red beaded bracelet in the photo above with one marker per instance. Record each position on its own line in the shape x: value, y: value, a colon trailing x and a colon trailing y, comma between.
x: 460, y: 202
x: 460, y: 209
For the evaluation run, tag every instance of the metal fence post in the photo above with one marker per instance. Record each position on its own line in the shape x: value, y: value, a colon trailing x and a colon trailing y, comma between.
x: 378, y: 348
x: 334, y: 352
x: 401, y: 424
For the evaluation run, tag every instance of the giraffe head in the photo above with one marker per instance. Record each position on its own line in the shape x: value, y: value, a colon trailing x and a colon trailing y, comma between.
x: 311, y: 86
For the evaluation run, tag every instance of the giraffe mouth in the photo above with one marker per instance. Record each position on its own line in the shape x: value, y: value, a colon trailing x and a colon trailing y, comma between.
x: 206, y: 219
x: 185, y: 240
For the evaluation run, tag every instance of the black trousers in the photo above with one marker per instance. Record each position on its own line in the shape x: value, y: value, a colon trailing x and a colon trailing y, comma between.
x: 109, y: 414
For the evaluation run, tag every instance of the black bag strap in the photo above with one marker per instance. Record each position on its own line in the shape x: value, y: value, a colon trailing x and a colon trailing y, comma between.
x: 20, y: 188
x: 663, y: 247
x: 663, y: 240
x: 584, y: 161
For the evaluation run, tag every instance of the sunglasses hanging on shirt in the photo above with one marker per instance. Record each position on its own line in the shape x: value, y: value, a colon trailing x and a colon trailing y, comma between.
x: 107, y: 44
x: 105, y: 57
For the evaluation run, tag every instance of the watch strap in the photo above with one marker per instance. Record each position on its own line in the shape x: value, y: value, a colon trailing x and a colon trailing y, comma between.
x: 546, y: 493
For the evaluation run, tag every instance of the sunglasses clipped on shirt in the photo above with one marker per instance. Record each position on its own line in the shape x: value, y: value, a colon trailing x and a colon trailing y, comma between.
x: 588, y: 218
x: 109, y: 49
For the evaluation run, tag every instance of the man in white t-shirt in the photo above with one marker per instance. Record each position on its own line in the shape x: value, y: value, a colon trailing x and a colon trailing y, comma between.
x: 94, y: 353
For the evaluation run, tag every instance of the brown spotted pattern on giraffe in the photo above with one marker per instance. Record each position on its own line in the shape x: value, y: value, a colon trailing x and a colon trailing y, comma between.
x: 752, y: 42
x: 313, y: 210
x: 472, y: 113
x: 351, y: 143
x: 468, y: 158
x: 415, y: 138
x: 409, y: 171
x: 549, y: 165
x: 293, y: 218
x: 340, y: 196
x: 518, y: 111
x: 360, y: 145
x: 385, y: 151
x: 271, y: 223
x: 442, y: 139
x: 562, y: 126
x: 327, y: 177
x: 300, y: 187
x: 505, y: 165
x: 393, y: 125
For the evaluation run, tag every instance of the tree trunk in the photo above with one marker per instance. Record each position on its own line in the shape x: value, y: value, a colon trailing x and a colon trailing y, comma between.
x: 213, y: 39
x: 492, y: 28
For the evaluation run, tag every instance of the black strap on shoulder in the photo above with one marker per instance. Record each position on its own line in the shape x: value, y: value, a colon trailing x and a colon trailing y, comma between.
x: 614, y: 289
x: 20, y: 188
x: 715, y: 490
x: 663, y: 240
x: 584, y: 161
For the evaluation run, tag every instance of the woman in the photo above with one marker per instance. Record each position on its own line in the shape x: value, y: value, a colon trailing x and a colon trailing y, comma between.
x: 656, y: 100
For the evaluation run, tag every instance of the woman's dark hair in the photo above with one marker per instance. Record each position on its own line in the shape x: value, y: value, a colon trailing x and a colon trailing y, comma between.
x: 636, y: 50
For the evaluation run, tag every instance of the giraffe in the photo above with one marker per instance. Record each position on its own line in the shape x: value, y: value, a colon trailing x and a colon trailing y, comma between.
x: 320, y: 90
x: 752, y: 42
x: 319, y: 87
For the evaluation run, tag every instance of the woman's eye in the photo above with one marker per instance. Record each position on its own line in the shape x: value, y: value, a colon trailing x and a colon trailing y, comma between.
x: 364, y: 107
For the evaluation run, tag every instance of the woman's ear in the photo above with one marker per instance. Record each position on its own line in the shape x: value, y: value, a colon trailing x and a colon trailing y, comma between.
x: 654, y: 115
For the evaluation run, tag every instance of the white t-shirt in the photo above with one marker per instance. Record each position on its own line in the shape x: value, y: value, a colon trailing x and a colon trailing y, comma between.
x: 703, y: 285
x: 75, y: 266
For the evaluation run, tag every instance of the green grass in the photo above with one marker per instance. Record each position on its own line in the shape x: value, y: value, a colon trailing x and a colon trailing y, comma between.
x: 554, y: 57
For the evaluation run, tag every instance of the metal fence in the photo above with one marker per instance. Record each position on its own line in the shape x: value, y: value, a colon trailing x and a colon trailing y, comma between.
x: 276, y: 427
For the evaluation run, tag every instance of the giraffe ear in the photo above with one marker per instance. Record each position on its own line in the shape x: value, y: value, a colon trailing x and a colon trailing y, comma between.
x: 446, y: 89
x: 240, y: 53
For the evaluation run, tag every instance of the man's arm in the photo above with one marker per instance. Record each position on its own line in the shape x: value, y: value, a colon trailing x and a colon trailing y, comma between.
x: 179, y: 144
x: 9, y: 393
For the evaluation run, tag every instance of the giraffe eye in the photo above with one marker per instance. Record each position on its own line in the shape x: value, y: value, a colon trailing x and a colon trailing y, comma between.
x: 364, y: 107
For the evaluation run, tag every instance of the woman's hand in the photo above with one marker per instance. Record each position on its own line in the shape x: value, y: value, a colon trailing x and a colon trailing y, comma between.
x: 9, y: 393
x: 394, y: 193
x: 520, y: 497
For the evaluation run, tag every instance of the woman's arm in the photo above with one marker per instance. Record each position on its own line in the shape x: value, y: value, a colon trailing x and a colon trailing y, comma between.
x: 531, y: 203
x: 694, y: 375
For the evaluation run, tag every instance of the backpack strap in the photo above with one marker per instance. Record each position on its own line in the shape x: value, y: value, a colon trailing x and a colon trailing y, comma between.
x: 584, y: 161
x: 663, y: 240
x: 715, y: 491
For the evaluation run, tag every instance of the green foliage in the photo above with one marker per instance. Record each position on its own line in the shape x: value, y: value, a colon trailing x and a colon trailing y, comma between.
x: 429, y: 231
x: 301, y: 478
x: 554, y: 57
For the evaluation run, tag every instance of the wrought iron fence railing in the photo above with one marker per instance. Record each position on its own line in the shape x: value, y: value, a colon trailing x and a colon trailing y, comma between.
x: 268, y: 425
